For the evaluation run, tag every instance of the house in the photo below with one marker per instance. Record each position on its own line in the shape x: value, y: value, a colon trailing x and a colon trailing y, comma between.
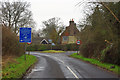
x: 40, y: 40
x: 70, y: 35
x: 44, y: 41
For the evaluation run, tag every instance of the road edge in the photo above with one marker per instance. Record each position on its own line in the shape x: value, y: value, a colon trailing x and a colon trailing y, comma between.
x: 29, y: 69
x: 97, y: 66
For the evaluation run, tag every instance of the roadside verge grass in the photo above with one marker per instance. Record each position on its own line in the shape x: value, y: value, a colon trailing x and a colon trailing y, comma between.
x: 98, y: 63
x: 53, y: 51
x: 16, y: 70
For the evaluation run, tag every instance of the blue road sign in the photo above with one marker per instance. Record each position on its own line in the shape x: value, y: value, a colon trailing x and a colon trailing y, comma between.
x: 25, y: 34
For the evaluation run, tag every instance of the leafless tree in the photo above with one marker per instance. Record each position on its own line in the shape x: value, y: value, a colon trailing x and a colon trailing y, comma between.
x: 38, y: 33
x: 15, y: 15
x: 52, y: 28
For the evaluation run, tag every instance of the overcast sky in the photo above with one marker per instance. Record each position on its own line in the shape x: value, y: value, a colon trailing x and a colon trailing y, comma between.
x: 45, y: 9
x: 65, y: 9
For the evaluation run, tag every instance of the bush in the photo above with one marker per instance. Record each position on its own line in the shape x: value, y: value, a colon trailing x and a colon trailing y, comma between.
x: 10, y: 43
x: 113, y: 55
x: 56, y: 47
x: 37, y: 47
x: 42, y: 47
x: 87, y: 50
x: 70, y: 47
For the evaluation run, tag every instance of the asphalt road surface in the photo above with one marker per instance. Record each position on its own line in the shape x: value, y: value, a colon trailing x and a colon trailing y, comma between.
x: 59, y: 65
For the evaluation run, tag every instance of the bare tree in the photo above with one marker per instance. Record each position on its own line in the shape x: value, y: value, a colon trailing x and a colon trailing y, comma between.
x: 15, y: 15
x: 38, y: 33
x: 53, y: 28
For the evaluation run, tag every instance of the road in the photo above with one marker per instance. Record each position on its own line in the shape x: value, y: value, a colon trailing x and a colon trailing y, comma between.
x: 59, y: 65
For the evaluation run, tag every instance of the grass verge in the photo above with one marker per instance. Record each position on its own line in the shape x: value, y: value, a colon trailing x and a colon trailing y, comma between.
x: 53, y: 51
x: 98, y: 63
x: 16, y: 70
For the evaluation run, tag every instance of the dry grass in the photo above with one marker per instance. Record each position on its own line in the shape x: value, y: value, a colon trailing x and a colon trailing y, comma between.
x: 10, y: 43
x: 6, y: 60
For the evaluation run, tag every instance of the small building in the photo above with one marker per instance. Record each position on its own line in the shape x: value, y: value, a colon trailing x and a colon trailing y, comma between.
x: 44, y: 41
x: 70, y: 35
x: 40, y: 40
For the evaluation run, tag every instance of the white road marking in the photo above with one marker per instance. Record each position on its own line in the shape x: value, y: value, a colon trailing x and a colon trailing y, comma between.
x: 66, y: 66
x: 72, y: 72
x: 38, y: 69
x: 59, y: 60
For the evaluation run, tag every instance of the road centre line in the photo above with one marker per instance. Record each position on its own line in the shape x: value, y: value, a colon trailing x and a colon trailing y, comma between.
x: 72, y: 72
x: 59, y: 60
x: 67, y: 67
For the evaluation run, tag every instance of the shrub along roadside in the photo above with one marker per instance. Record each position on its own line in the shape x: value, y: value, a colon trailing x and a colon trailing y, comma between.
x: 10, y: 43
x: 43, y: 47
x: 98, y: 63
x: 16, y: 70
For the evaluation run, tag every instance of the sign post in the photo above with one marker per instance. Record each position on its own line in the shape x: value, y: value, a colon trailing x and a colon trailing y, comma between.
x: 78, y: 42
x: 29, y: 44
x: 53, y: 44
x: 25, y: 51
x: 25, y: 36
x: 50, y: 41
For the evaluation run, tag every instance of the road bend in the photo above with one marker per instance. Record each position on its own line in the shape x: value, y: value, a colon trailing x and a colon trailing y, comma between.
x: 59, y: 65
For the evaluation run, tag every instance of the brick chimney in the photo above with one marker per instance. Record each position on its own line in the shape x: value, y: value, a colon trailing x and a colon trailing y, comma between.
x: 71, y: 22
x: 75, y: 24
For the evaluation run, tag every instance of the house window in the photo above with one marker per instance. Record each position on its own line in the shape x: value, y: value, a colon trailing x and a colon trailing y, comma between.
x: 65, y: 38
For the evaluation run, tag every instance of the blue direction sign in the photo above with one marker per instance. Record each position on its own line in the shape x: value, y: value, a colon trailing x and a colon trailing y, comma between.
x: 25, y: 34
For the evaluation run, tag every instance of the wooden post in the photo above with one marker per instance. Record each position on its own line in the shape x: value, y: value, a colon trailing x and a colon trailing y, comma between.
x: 51, y: 46
x: 77, y: 49
x: 25, y: 52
